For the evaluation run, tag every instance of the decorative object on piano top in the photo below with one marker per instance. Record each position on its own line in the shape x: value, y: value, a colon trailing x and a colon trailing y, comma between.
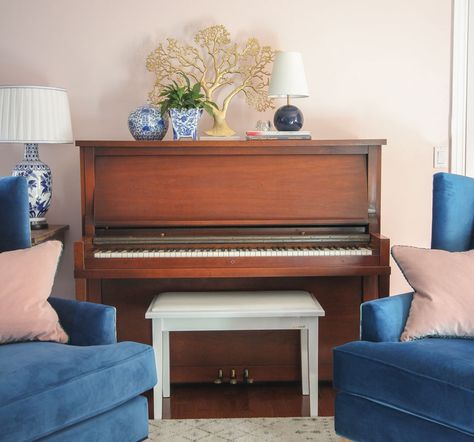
x: 288, y: 81
x: 277, y: 135
x: 148, y: 123
x: 185, y: 104
x: 263, y: 125
x: 215, y: 62
x: 33, y: 115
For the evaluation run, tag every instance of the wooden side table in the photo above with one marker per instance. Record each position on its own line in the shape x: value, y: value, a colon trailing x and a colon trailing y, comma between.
x: 52, y: 232
x: 205, y: 311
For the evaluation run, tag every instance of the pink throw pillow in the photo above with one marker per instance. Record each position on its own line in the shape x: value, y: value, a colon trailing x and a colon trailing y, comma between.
x: 443, y: 302
x: 26, y: 279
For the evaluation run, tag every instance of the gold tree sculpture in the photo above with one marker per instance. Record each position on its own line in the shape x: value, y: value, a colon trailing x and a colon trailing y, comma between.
x: 220, y: 65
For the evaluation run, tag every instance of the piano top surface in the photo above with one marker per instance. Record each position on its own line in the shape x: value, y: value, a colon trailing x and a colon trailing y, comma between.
x: 232, y: 143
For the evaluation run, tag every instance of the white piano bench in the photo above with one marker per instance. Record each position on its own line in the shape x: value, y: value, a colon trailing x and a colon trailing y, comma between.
x: 224, y: 311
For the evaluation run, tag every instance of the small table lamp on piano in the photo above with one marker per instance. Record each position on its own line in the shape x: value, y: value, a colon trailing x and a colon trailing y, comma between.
x: 31, y: 115
x: 288, y: 81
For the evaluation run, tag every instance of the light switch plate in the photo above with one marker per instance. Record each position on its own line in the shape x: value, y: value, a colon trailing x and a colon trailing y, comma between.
x: 440, y: 157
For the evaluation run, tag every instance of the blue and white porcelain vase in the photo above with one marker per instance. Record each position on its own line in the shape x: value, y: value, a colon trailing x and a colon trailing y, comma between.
x: 185, y: 122
x: 40, y: 184
x: 147, y: 123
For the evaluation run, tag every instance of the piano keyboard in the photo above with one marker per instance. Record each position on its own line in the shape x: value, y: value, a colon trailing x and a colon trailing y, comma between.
x: 233, y: 253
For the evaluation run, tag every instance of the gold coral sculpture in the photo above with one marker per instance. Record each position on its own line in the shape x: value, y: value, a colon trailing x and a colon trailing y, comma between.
x: 218, y: 64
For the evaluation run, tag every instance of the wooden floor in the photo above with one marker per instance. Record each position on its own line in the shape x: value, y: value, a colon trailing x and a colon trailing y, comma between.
x: 193, y: 401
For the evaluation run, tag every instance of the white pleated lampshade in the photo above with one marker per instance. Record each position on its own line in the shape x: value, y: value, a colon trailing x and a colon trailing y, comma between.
x: 34, y: 114
x: 288, y: 77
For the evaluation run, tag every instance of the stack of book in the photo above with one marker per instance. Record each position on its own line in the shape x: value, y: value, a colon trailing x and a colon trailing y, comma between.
x: 278, y: 135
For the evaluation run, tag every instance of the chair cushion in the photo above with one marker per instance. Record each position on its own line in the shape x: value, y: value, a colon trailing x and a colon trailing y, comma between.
x: 127, y: 422
x: 46, y: 386
x: 430, y: 378
x: 360, y: 419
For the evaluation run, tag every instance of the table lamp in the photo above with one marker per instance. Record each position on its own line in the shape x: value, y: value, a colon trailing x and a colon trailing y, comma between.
x: 33, y: 115
x: 288, y: 81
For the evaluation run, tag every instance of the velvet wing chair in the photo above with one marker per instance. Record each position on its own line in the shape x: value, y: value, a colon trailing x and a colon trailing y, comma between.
x: 420, y: 390
x: 88, y: 390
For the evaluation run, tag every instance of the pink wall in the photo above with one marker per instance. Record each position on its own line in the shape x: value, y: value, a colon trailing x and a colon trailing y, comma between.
x: 376, y: 69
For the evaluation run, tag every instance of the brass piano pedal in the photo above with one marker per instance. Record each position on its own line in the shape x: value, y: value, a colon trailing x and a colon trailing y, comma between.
x: 220, y: 377
x: 233, y: 377
x: 246, y: 378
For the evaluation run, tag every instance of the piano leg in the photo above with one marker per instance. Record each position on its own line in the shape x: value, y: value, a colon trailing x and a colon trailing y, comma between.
x: 304, y: 362
x: 370, y: 288
x: 94, y: 290
x: 89, y: 290
x: 384, y: 286
x: 375, y: 287
x: 81, y: 289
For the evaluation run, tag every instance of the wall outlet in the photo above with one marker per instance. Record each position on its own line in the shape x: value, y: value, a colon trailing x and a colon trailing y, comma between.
x: 440, y: 157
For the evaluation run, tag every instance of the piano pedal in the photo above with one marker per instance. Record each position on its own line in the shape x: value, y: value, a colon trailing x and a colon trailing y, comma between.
x: 220, y: 377
x: 246, y: 378
x: 233, y: 377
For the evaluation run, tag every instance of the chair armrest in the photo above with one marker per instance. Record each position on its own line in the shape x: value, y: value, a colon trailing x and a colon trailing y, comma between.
x: 383, y: 320
x: 86, y: 323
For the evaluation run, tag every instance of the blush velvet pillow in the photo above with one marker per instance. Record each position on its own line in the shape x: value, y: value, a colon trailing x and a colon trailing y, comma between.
x: 26, y: 279
x: 443, y: 302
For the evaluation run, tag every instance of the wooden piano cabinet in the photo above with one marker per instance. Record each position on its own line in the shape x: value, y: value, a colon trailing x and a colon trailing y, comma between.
x: 187, y: 186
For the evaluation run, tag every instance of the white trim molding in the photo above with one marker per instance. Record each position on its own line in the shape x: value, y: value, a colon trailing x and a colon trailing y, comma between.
x: 459, y: 85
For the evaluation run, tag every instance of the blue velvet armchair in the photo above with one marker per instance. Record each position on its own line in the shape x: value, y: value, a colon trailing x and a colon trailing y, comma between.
x: 421, y: 390
x: 88, y: 390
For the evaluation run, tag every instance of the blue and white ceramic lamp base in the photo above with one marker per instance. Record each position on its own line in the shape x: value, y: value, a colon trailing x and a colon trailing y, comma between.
x: 40, y: 189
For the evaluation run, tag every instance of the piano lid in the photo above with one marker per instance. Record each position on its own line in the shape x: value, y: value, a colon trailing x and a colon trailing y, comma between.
x: 224, y: 189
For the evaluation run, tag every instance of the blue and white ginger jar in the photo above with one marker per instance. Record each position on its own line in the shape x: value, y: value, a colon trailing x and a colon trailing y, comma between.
x: 185, y: 122
x: 147, y: 123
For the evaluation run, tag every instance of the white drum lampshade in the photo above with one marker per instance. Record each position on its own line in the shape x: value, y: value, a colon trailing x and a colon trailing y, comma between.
x: 31, y: 115
x: 288, y: 80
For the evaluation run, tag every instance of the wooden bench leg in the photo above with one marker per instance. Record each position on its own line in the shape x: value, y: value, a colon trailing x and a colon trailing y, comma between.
x: 313, y: 366
x: 304, y: 362
x: 158, y: 348
x: 166, y: 363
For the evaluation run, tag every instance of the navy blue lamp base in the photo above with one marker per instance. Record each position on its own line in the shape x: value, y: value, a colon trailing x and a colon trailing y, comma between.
x: 288, y: 118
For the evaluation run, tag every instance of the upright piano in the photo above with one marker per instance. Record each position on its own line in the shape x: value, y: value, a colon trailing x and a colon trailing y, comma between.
x: 233, y: 215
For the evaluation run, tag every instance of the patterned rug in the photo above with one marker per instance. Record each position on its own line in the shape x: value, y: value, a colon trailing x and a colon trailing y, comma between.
x: 288, y: 429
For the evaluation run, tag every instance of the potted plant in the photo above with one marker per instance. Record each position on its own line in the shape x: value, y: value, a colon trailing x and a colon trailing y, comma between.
x: 185, y: 105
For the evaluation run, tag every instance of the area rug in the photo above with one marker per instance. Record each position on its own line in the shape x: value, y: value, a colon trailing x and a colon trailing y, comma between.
x: 288, y: 429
